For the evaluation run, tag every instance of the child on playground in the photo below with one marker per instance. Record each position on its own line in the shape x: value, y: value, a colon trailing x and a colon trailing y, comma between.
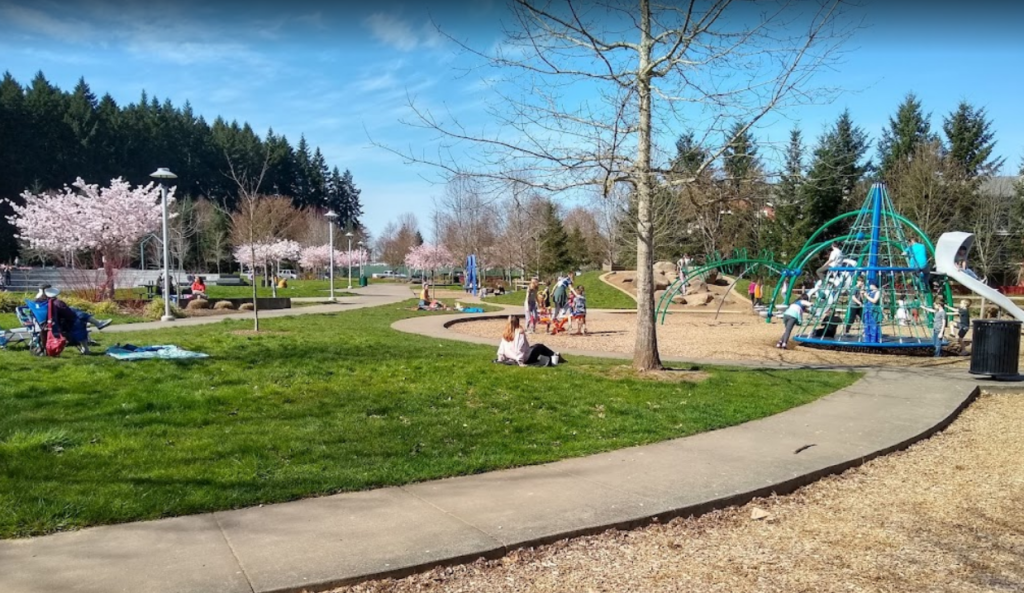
x: 579, y: 311
x: 793, y: 317
x: 938, y: 323
x: 963, y: 324
x: 530, y: 304
x: 751, y: 289
x: 759, y: 293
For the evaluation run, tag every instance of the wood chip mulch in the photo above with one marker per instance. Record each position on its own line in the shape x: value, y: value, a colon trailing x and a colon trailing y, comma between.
x: 946, y: 515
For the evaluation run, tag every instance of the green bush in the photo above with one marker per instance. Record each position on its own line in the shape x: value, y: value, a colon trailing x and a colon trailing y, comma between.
x: 155, y: 310
x: 8, y: 301
x: 105, y: 308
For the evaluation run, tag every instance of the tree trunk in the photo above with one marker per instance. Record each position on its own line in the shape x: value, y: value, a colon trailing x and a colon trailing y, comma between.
x: 108, y: 290
x: 645, y: 351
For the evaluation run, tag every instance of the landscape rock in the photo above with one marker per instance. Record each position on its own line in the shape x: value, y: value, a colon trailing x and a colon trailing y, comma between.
x: 246, y: 307
x: 664, y: 267
x: 220, y: 305
x: 679, y: 300
x: 198, y: 304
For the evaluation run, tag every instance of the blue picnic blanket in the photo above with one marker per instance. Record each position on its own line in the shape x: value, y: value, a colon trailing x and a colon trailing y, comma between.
x: 472, y: 310
x: 132, y: 352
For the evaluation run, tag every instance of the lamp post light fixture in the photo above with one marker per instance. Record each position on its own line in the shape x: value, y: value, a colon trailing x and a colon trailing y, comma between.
x: 164, y: 173
x: 330, y: 216
x: 349, y: 235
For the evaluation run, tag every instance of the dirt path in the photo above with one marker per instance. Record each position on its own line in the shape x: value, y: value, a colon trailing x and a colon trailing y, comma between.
x: 945, y: 515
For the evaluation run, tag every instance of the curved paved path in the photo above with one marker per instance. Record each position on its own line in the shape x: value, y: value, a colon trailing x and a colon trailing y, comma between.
x: 321, y: 542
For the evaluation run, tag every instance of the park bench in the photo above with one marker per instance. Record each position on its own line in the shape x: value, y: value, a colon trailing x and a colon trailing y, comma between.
x: 229, y: 280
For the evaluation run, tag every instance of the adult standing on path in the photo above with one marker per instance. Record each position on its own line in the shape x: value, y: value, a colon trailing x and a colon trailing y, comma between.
x: 560, y: 296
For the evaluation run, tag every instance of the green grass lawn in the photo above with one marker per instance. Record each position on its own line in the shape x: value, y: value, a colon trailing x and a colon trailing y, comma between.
x: 321, y: 404
x: 599, y: 294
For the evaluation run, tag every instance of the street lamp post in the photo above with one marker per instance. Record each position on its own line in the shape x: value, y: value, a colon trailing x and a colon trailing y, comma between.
x: 349, y: 235
x: 331, y: 215
x: 360, y: 245
x: 161, y: 174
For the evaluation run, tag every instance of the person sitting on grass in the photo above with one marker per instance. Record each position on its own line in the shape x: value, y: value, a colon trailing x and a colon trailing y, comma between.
x: 425, y: 295
x: 515, y: 348
x: 579, y: 311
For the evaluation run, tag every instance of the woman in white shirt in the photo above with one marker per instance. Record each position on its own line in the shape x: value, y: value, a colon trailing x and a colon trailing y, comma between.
x: 514, y: 347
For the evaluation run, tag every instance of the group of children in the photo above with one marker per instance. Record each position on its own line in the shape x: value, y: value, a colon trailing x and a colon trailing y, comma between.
x: 565, y: 304
x: 866, y: 304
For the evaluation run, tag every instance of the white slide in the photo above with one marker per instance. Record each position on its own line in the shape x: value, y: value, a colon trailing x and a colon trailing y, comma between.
x: 945, y: 263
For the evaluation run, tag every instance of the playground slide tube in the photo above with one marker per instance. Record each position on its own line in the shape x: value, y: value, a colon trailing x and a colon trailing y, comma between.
x: 945, y: 263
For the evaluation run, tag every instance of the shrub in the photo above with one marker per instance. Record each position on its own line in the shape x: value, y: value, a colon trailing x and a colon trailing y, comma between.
x: 8, y: 301
x: 105, y: 308
x: 79, y: 303
x: 198, y: 304
x: 221, y: 305
x: 246, y: 307
x: 155, y: 310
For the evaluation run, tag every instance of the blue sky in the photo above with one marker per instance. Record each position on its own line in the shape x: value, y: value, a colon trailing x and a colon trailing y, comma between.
x: 342, y: 72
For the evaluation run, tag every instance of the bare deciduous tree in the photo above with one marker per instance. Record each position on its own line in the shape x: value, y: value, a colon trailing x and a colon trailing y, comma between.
x: 643, y: 66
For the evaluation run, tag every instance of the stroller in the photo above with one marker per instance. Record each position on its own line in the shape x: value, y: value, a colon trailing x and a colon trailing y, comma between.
x: 36, y: 321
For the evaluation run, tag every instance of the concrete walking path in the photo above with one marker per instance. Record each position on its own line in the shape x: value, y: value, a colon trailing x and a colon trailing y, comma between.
x: 369, y: 296
x: 321, y: 542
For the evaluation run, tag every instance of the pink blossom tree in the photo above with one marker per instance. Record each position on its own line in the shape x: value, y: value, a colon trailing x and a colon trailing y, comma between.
x: 107, y: 221
x: 429, y: 257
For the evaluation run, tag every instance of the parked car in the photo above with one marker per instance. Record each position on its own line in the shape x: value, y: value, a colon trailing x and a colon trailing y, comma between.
x: 287, y: 274
x: 389, y: 274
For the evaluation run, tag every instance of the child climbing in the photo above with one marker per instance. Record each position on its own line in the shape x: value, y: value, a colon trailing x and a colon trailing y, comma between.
x: 759, y: 293
x: 793, y: 317
x: 901, y: 313
x: 835, y: 257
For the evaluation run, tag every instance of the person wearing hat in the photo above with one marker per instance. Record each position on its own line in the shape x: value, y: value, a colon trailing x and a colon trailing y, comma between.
x: 65, y: 316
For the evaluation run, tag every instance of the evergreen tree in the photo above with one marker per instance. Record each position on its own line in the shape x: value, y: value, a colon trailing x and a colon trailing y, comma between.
x: 785, y: 234
x: 834, y: 174
x: 351, y: 209
x: 554, y: 242
x: 905, y: 133
x: 576, y: 249
x: 969, y: 141
x: 739, y: 159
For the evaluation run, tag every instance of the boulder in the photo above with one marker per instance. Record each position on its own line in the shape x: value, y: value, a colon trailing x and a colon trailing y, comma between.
x: 246, y: 307
x: 679, y: 300
x: 712, y: 277
x: 661, y: 282
x: 664, y: 267
x: 709, y: 298
x: 220, y: 305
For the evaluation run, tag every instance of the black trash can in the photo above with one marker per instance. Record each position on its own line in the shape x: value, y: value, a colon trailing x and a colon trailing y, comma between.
x: 995, y: 347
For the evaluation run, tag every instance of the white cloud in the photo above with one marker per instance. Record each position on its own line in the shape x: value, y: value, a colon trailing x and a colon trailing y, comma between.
x: 37, y: 21
x: 401, y: 34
